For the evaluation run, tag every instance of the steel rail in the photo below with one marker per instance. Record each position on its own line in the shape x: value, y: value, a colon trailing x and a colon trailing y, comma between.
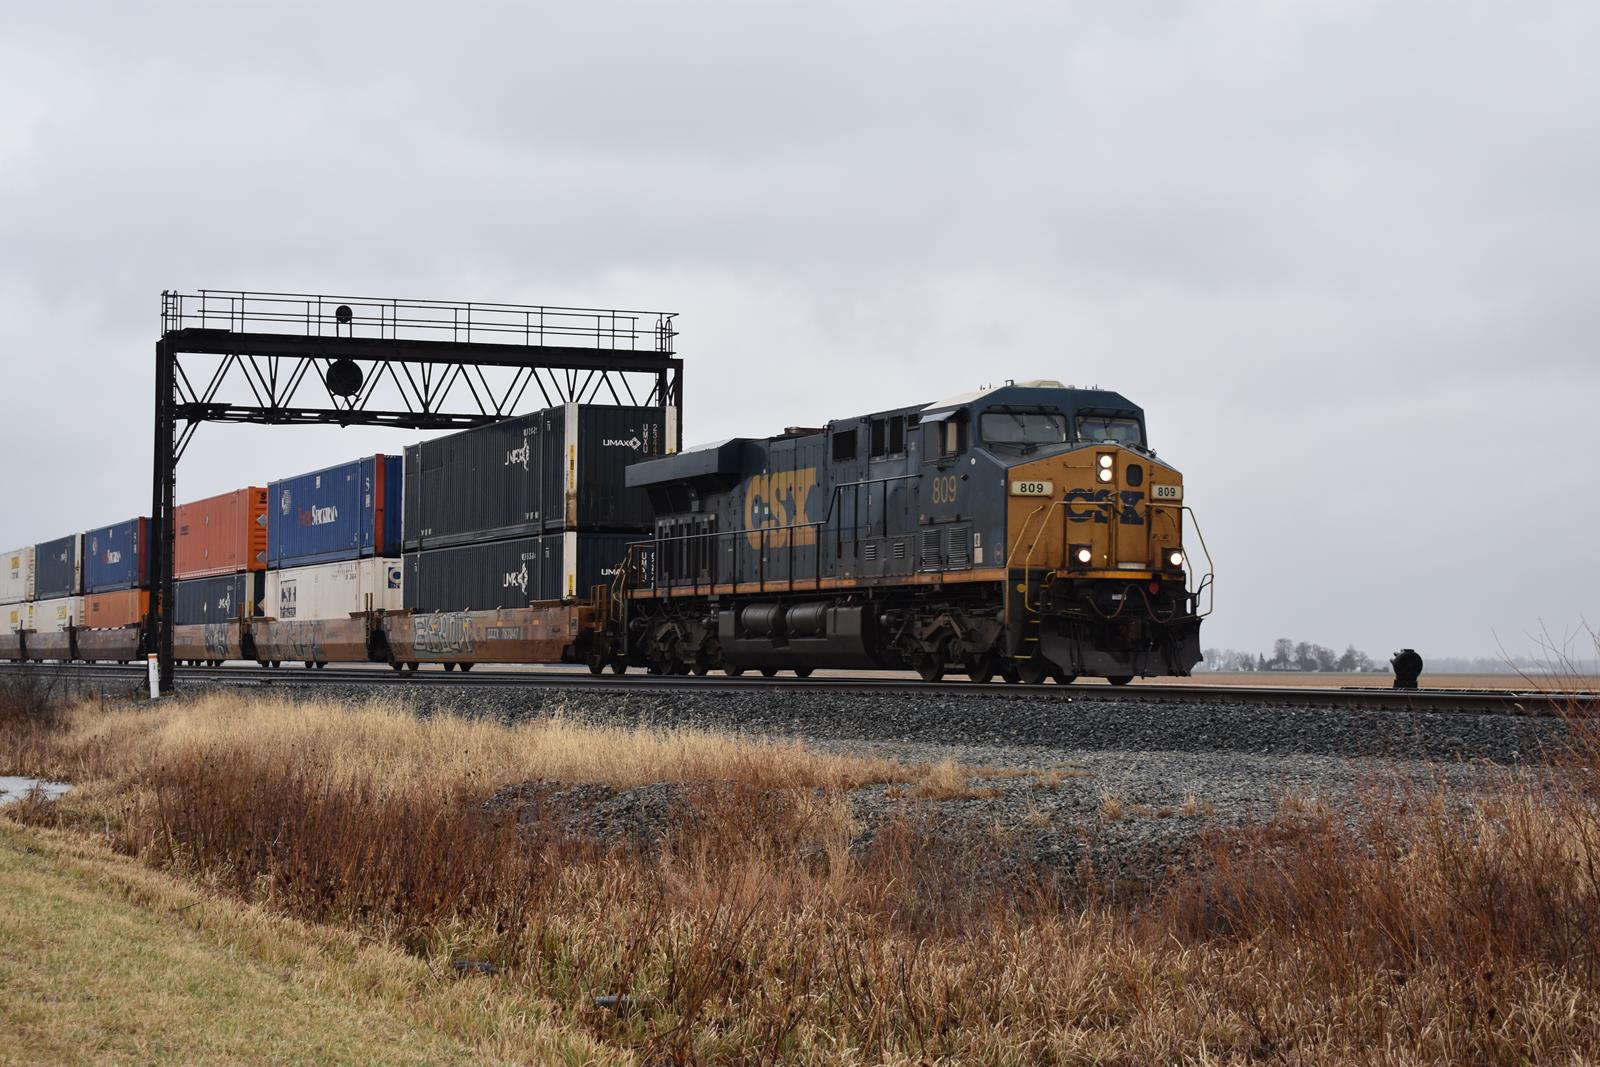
x: 1504, y: 702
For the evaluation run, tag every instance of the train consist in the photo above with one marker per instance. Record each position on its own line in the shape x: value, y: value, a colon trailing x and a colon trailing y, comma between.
x: 1026, y: 532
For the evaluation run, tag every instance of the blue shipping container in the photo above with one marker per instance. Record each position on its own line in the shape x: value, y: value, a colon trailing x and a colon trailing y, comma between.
x: 114, y: 557
x: 58, y: 568
x: 343, y: 512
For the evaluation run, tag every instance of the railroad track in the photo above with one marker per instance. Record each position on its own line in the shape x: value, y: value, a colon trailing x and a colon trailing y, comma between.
x: 1480, y: 701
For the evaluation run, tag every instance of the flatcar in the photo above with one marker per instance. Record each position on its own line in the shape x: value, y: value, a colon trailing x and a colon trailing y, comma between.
x: 1028, y: 532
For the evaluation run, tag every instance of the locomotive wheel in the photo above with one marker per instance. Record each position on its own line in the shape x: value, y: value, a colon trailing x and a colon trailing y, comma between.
x: 733, y: 672
x: 1009, y: 672
x: 803, y: 672
x: 619, y: 666
x: 1064, y: 679
x: 655, y: 668
x: 465, y: 667
x: 1034, y: 672
x: 931, y: 670
x: 980, y: 669
x: 1119, y: 679
x: 768, y: 672
x: 700, y: 669
x: 595, y: 666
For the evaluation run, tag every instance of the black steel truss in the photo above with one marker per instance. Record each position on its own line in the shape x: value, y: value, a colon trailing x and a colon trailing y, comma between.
x: 299, y: 359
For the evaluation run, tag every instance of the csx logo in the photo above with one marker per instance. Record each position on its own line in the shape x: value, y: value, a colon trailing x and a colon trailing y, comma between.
x: 1096, y: 506
x: 777, y: 502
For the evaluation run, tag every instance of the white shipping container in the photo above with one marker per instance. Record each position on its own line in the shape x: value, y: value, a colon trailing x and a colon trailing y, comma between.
x: 16, y: 575
x: 14, y: 617
x: 53, y: 616
x: 334, y: 590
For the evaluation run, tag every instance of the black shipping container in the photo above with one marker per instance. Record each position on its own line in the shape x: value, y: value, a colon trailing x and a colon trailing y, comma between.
x: 558, y: 469
x: 227, y: 596
x: 512, y: 573
x: 58, y: 568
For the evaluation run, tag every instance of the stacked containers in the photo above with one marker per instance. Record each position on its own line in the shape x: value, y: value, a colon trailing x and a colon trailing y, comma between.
x: 16, y: 590
x: 350, y: 511
x: 220, y: 555
x: 334, y: 541
x: 532, y: 508
x: 58, y: 584
x: 334, y: 590
x: 116, y: 574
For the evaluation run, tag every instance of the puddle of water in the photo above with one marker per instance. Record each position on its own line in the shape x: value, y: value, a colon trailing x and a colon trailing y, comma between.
x: 14, y: 789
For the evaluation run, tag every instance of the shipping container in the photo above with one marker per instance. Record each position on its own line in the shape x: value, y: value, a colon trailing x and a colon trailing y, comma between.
x: 221, y: 534
x: 344, y: 512
x: 58, y: 568
x: 14, y: 617
x: 54, y: 616
x: 121, y: 607
x: 16, y: 575
x: 512, y: 573
x: 334, y: 590
x: 558, y: 469
x: 114, y: 557
x: 197, y: 601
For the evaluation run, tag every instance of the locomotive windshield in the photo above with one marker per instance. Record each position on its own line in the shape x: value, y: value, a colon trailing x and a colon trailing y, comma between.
x: 1003, y: 427
x: 1117, y: 429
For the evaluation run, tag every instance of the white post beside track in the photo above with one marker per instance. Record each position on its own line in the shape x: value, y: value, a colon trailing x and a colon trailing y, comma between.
x: 155, y: 676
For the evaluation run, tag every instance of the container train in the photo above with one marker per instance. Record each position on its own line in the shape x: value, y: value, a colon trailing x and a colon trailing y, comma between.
x: 1027, y: 532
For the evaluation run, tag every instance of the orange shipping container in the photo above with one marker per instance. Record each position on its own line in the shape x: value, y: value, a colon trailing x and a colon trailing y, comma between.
x: 121, y: 608
x: 221, y: 535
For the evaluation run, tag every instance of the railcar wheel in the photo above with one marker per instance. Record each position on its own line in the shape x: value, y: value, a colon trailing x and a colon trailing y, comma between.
x: 769, y: 672
x: 733, y: 672
x: 595, y: 667
x: 803, y: 672
x: 449, y: 666
x: 1064, y: 679
x: 321, y: 663
x: 1119, y: 679
x: 619, y: 666
x: 412, y: 666
x: 398, y: 666
x: 465, y: 667
x: 655, y: 668
x: 308, y: 664
x: 259, y: 662
x: 277, y: 663
x: 1034, y: 672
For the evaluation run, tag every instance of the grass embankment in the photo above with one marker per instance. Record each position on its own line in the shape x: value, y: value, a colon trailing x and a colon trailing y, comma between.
x: 746, y: 928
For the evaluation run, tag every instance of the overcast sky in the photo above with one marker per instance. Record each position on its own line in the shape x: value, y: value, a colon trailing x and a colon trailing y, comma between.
x: 1344, y: 254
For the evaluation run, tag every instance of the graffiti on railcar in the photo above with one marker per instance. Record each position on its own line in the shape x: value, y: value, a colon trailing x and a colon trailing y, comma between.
x: 218, y: 640
x: 443, y: 633
x: 304, y: 640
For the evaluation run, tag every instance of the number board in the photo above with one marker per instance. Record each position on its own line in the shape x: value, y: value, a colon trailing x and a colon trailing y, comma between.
x: 1033, y: 488
x: 1166, y: 492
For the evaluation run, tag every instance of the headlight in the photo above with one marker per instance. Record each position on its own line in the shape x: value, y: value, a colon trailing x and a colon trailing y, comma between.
x: 1175, y: 558
x: 1104, y: 474
x: 1080, y: 555
x: 1106, y: 461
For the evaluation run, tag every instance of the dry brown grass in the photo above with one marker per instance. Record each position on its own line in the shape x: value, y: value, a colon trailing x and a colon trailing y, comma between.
x: 754, y: 932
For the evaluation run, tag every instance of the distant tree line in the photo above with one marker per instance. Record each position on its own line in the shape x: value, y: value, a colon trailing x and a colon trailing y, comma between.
x: 1289, y: 655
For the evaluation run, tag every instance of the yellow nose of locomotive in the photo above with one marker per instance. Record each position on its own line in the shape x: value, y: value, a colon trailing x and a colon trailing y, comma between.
x: 1097, y: 511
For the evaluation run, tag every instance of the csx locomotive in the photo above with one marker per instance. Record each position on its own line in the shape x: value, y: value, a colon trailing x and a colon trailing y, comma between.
x: 1027, y: 531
